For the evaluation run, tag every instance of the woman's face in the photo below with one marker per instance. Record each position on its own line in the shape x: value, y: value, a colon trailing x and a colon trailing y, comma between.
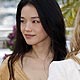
x: 31, y: 26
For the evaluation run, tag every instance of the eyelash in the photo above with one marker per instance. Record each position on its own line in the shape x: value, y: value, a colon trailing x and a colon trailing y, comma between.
x: 22, y: 21
x: 34, y: 21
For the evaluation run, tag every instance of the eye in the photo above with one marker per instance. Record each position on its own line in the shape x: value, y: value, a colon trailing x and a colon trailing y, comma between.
x: 23, y: 21
x: 35, y: 21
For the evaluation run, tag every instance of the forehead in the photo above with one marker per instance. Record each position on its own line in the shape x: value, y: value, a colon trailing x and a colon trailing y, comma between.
x: 29, y: 10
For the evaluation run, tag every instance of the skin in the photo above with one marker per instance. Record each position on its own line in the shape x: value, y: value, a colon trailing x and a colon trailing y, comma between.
x: 38, y: 59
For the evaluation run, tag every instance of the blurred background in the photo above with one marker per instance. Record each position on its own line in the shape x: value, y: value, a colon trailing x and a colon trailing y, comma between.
x: 7, y: 22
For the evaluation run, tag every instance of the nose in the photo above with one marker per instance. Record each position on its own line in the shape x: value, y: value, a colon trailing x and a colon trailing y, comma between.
x: 28, y: 27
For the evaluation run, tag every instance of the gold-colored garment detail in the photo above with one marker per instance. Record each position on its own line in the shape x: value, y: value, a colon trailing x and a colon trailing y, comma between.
x: 18, y: 72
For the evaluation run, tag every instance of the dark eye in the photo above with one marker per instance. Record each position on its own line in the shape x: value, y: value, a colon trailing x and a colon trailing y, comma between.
x: 35, y: 21
x: 22, y: 21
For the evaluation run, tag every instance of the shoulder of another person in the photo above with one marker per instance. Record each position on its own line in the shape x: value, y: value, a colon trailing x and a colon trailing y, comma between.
x: 63, y: 64
x: 58, y: 69
x: 62, y: 70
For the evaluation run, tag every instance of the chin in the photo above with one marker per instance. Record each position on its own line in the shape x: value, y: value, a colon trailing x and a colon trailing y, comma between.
x: 30, y: 43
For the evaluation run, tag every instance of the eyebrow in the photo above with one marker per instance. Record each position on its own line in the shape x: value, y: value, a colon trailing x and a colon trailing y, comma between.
x: 31, y: 17
x: 34, y: 17
x: 22, y: 17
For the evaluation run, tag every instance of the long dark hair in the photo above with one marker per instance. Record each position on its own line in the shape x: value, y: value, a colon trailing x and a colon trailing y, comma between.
x: 52, y: 21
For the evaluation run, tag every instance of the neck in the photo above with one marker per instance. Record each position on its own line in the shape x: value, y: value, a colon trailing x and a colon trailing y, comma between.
x: 42, y: 50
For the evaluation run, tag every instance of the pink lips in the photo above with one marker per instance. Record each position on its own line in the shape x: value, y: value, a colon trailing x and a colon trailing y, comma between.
x: 28, y: 36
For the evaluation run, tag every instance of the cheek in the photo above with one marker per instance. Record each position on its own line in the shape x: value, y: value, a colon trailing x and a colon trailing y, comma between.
x: 42, y: 33
x: 22, y: 29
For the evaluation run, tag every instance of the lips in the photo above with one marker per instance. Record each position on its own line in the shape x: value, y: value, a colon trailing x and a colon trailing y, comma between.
x: 29, y: 36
